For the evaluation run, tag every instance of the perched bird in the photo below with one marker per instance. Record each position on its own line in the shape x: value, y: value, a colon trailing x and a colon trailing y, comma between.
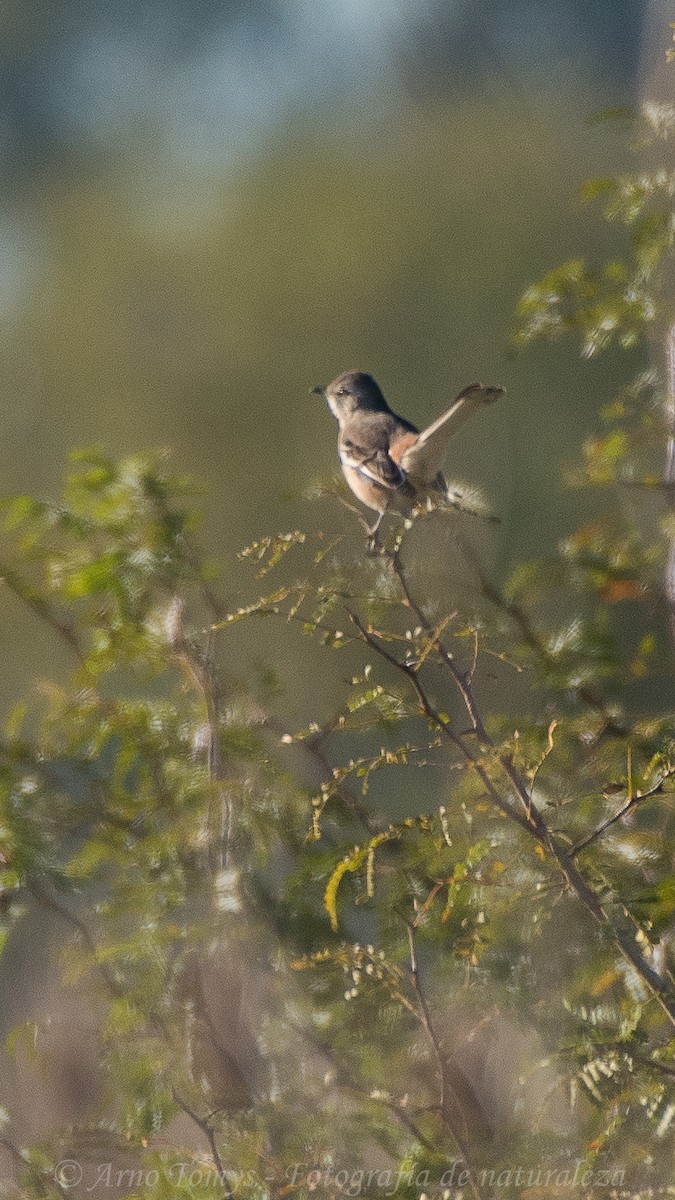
x: 386, y: 461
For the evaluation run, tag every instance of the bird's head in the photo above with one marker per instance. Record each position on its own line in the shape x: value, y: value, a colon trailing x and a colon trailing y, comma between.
x: 352, y: 391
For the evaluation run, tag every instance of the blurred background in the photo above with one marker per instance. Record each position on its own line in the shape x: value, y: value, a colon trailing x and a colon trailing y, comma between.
x: 208, y: 208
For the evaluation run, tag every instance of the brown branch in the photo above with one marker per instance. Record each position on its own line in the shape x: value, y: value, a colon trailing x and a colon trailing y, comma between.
x: 210, y: 1135
x: 461, y: 680
x: 345, y: 1081
x: 188, y: 548
x: 199, y: 669
x: 357, y: 512
x: 13, y: 1151
x: 435, y: 717
x: 629, y: 806
x: 669, y: 471
x: 38, y: 1183
x: 43, y: 610
x: 533, y: 641
x: 44, y: 898
x: 474, y: 660
x: 312, y: 748
x: 115, y: 989
x: 531, y: 819
x: 48, y: 901
x: 425, y: 1014
x: 446, y: 1084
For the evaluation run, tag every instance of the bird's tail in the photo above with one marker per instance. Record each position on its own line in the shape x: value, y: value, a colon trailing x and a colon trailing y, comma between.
x: 423, y: 460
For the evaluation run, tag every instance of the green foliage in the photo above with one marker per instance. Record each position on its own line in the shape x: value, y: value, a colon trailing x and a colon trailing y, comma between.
x: 617, y: 300
x: 146, y: 804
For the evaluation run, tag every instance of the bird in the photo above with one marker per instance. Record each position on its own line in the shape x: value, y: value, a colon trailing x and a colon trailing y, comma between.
x: 387, y: 462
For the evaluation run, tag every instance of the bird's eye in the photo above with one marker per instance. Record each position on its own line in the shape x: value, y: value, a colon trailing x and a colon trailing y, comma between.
x: 342, y: 392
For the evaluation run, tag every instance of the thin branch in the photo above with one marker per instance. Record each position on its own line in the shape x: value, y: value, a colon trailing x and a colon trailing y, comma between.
x: 43, y: 610
x: 421, y: 910
x: 533, y: 641
x: 346, y: 1082
x: 446, y: 1084
x: 312, y: 748
x: 48, y: 901
x: 548, y: 749
x: 40, y: 1185
x: 210, y: 1135
x: 189, y: 551
x: 44, y: 898
x: 531, y: 819
x: 474, y: 661
x: 433, y: 715
x: 631, y: 803
x: 357, y: 512
x: 661, y: 1068
x: 424, y: 1010
x: 115, y: 989
x: 669, y: 472
x: 537, y: 827
x: 13, y: 1151
x: 461, y: 680
x: 199, y: 669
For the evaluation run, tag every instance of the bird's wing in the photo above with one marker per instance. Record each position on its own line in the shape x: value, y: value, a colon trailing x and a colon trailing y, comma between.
x: 375, y: 465
x: 424, y: 458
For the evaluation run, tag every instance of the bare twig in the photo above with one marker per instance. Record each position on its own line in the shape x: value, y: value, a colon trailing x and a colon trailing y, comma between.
x: 200, y: 670
x: 47, y: 900
x: 474, y: 660
x: 210, y: 1135
x: 312, y: 748
x: 42, y: 609
x: 533, y: 641
x: 548, y: 749
x: 13, y: 1151
x: 631, y: 804
x: 356, y: 511
x: 448, y: 1091
x: 39, y: 1184
x: 669, y: 472
x: 436, y: 718
x: 345, y: 1081
x: 117, y: 990
x: 424, y: 1010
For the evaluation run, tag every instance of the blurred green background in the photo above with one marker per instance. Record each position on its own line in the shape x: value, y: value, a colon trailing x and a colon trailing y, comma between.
x: 206, y: 209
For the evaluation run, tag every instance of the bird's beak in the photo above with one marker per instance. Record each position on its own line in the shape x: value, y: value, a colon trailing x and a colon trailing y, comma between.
x: 319, y: 390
